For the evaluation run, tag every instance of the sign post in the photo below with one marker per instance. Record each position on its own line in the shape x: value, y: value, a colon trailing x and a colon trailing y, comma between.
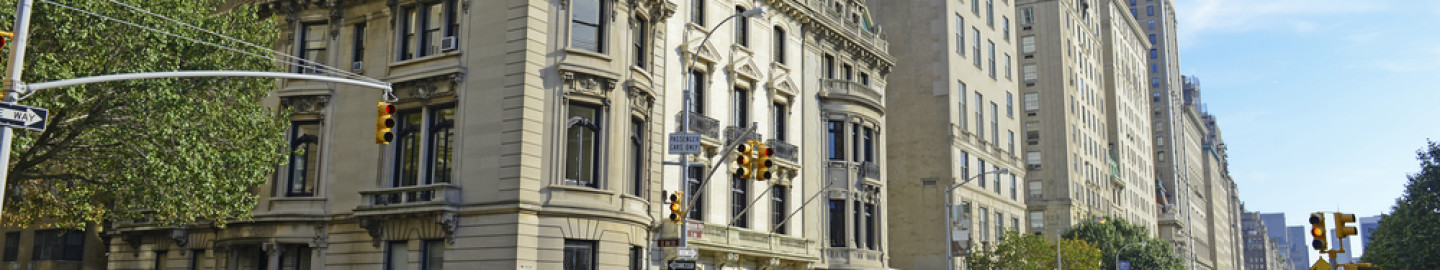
x: 684, y: 143
x: 21, y: 116
x: 682, y: 265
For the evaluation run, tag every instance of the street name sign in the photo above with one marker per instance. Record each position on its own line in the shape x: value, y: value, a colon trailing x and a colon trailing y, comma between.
x: 22, y: 116
x: 684, y: 143
x: 687, y: 253
x: 1122, y: 265
x: 682, y: 265
x: 694, y: 229
x: 668, y: 242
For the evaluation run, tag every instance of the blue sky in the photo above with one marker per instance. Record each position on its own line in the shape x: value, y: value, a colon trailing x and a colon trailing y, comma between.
x: 1323, y: 103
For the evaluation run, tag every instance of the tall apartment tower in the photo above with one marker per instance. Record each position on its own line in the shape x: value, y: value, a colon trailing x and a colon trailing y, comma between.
x: 1220, y: 199
x: 1067, y: 134
x: 1299, y: 247
x: 955, y: 121
x: 1258, y: 253
x: 1131, y: 167
x: 1367, y: 230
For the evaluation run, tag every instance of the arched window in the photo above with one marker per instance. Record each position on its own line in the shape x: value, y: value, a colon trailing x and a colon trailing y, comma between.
x: 582, y: 146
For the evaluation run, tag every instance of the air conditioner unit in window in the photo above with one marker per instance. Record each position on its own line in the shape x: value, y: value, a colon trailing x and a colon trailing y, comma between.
x: 449, y: 43
x: 357, y: 65
x: 1033, y: 167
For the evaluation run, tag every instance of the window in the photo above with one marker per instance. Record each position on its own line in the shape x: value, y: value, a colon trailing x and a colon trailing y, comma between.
x: 295, y: 257
x: 781, y: 125
x: 697, y: 85
x: 961, y: 97
x: 313, y: 42
x: 975, y: 34
x: 779, y: 208
x: 992, y: 58
x: 1027, y: 16
x: 1032, y: 101
x: 859, y: 221
x: 870, y: 241
x: 981, y: 173
x: 999, y: 225
x: 637, y: 157
x: 587, y: 25
x: 1014, y: 223
x: 1005, y: 26
x: 984, y: 224
x: 1030, y: 73
x: 739, y: 197
x: 637, y: 258
x: 855, y: 133
x: 1032, y: 158
x: 740, y: 105
x: 837, y: 140
x: 53, y: 245
x: 695, y: 194
x: 195, y: 258
x: 990, y: 13
x: 638, y: 30
x: 965, y: 164
x: 1149, y: 10
x: 1037, y: 220
x: 579, y: 255
x: 425, y: 24
x: 396, y: 256
x: 849, y: 72
x: 1133, y: 13
x: 1027, y: 44
x: 959, y: 34
x: 1035, y: 188
x: 742, y: 28
x: 1008, y: 72
x: 304, y: 159
x: 1154, y: 54
x: 994, y: 123
x: 582, y: 146
x: 12, y: 247
x: 837, y: 223
x: 160, y: 260
x: 357, y: 52
x: 994, y: 168
x: 864, y: 79
x: 979, y: 115
x: 829, y: 67
x: 869, y: 137
x: 1154, y: 68
x: 1014, y: 186
x: 1012, y: 140
x: 975, y: 6
x: 442, y: 144
x: 779, y: 44
x: 697, y: 12
x: 432, y: 254
x: 1009, y: 104
x: 1154, y: 82
x: 1152, y: 24
x: 1152, y: 39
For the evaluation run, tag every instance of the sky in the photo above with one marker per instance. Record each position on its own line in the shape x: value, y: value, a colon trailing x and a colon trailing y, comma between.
x: 1322, y: 103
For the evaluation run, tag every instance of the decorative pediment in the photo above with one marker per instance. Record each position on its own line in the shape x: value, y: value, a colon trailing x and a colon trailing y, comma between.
x: 587, y: 84
x: 746, y: 69
x: 785, y: 87
x: 707, y: 51
x: 429, y: 87
x: 641, y: 100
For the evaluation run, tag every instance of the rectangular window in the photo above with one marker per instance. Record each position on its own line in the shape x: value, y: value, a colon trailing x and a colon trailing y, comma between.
x: 992, y: 58
x: 742, y: 28
x: 57, y: 245
x: 739, y: 198
x: 582, y: 144
x: 424, y: 27
x: 1014, y: 188
x: 858, y: 222
x: 856, y: 140
x: 980, y: 180
x: 637, y: 258
x: 638, y: 140
x: 1154, y: 82
x: 160, y: 262
x: 994, y: 168
x: 638, y: 30
x: 295, y: 257
x: 1008, y: 68
x: 984, y: 224
x: 695, y: 194
x: 1032, y: 101
x: 1027, y: 44
x: 1035, y: 188
x: 1032, y: 158
x: 195, y: 258
x: 869, y: 137
x: 1012, y: 140
x: 432, y: 254
x: 779, y: 209
x: 849, y: 72
x: 1154, y: 68
x: 999, y: 225
x: 975, y: 34
x: 829, y: 67
x: 781, y: 125
x: 697, y: 85
x: 1149, y: 10
x: 357, y: 51
x: 1152, y: 39
x: 979, y: 115
x: 579, y: 255
x: 994, y: 123
x: 964, y: 125
x: 870, y: 241
x: 588, y: 25
x: 779, y: 43
x: 396, y: 255
x: 1030, y: 72
x: 313, y: 43
x: 740, y: 105
x: 1152, y: 24
x: 975, y: 6
x: 1037, y: 220
x: 304, y: 159
x: 959, y: 34
x: 1005, y: 26
x: 1009, y: 105
x: 1154, y: 54
x: 441, y: 144
x: 12, y: 247
x: 965, y: 163
x: 1027, y: 16
x: 697, y: 12
x: 837, y: 223
x: 864, y: 79
x: 1014, y: 223
x: 990, y: 13
x: 837, y: 140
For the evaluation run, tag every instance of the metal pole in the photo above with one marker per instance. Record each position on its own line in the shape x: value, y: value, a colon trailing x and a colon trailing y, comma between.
x: 13, y: 86
x: 685, y: 128
x: 949, y: 234
x: 1058, y: 264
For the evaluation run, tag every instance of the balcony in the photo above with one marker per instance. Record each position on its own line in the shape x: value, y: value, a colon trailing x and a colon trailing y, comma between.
x: 845, y: 258
x: 853, y: 90
x: 870, y: 170
x: 722, y: 236
x: 699, y: 123
x: 732, y: 133
x: 438, y: 196
x: 785, y: 150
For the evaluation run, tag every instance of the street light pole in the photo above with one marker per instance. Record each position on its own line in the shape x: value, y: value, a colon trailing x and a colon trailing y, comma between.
x: 949, y: 206
x: 12, y: 86
x: 1122, y: 248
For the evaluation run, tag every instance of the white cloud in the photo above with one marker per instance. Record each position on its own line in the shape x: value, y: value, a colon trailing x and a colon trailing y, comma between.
x: 1198, y: 17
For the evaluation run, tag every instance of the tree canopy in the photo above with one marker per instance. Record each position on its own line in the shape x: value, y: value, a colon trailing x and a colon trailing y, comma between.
x: 1407, y: 237
x: 1115, y: 233
x: 1032, y: 252
x: 171, y: 151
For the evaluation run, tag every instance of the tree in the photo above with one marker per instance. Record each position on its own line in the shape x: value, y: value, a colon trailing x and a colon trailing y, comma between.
x: 1115, y: 233
x: 1407, y: 237
x: 172, y: 151
x: 1032, y: 252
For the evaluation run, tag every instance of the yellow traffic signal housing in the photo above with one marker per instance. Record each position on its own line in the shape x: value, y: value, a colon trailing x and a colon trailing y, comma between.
x: 763, y: 163
x: 1317, y: 230
x: 677, y: 207
x: 384, y: 122
x: 1342, y: 229
x: 745, y: 162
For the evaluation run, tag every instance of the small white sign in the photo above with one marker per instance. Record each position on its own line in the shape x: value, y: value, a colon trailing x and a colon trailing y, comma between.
x: 684, y: 143
x: 687, y: 253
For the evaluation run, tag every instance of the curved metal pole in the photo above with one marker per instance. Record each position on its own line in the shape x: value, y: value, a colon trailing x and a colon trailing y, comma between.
x: 949, y: 205
x: 206, y: 73
x: 685, y: 127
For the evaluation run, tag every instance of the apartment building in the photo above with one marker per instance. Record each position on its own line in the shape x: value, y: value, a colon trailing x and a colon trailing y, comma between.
x: 526, y: 138
x: 1065, y: 118
x: 955, y: 120
x: 810, y: 77
x: 45, y: 248
x: 1299, y: 247
x: 1127, y: 115
x: 1222, y: 198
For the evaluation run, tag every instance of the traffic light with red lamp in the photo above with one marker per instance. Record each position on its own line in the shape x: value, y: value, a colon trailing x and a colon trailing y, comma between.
x: 677, y: 206
x: 763, y: 163
x: 384, y: 122
x: 5, y: 37
x: 745, y: 161
x: 1317, y: 230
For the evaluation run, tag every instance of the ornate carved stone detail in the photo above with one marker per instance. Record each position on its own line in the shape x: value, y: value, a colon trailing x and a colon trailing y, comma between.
x: 429, y: 87
x: 465, y: 6
x: 448, y: 223
x: 134, y: 239
x: 641, y: 100
x: 374, y: 228
x: 588, y: 84
x: 181, y: 237
x: 306, y: 104
x: 732, y: 258
x: 336, y: 13
x: 322, y: 235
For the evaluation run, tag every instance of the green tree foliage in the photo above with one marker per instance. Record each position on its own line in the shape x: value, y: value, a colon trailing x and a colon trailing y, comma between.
x: 1408, y: 237
x: 172, y: 151
x: 1033, y: 252
x: 1116, y: 233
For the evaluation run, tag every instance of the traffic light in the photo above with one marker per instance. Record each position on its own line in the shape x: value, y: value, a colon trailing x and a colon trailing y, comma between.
x: 677, y: 207
x: 1341, y: 228
x: 745, y: 162
x: 5, y: 36
x: 384, y: 121
x: 763, y: 163
x: 1317, y: 230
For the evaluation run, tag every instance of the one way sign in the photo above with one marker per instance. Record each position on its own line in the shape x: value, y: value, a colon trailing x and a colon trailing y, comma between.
x: 21, y: 116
